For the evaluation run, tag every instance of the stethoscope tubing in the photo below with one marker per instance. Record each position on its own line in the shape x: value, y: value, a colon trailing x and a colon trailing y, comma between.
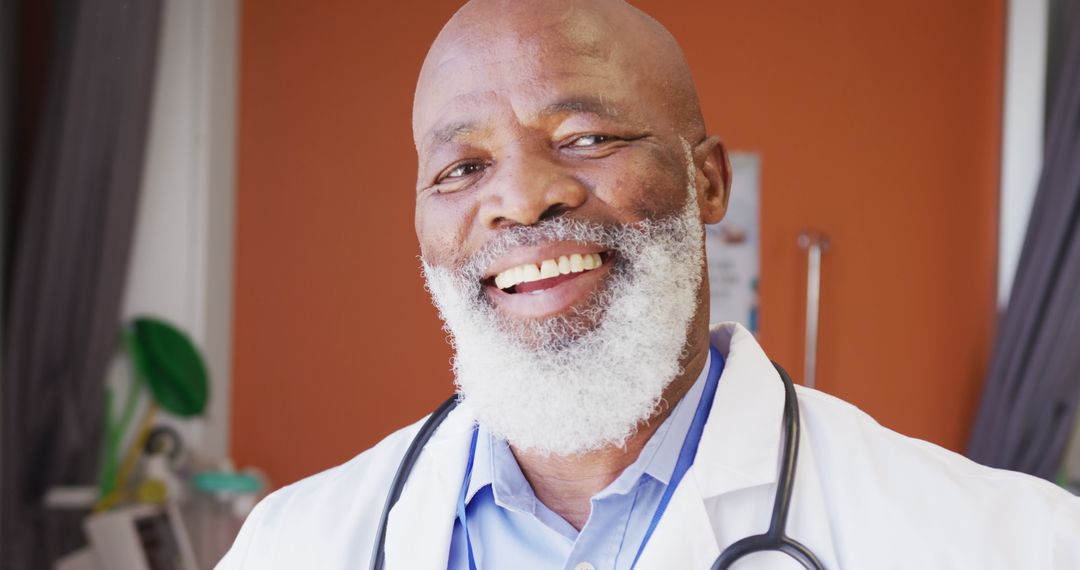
x: 773, y: 539
x: 408, y: 461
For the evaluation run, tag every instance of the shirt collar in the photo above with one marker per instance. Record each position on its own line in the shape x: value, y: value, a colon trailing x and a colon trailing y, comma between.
x: 495, y: 464
x: 483, y: 471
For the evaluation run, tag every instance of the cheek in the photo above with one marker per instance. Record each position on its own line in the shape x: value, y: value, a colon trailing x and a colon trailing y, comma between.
x: 643, y: 189
x: 441, y: 228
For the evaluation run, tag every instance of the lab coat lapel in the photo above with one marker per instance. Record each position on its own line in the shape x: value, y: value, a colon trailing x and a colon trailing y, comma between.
x: 684, y: 538
x: 739, y: 473
x: 808, y: 520
x: 727, y: 494
x: 740, y: 445
x: 422, y: 523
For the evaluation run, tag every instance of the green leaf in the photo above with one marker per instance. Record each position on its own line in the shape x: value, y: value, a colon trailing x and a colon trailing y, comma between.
x: 171, y: 366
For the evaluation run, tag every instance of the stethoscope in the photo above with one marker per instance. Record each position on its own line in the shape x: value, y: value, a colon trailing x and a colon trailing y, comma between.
x: 774, y: 539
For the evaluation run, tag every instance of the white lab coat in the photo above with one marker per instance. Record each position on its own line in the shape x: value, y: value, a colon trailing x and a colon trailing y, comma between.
x: 864, y: 498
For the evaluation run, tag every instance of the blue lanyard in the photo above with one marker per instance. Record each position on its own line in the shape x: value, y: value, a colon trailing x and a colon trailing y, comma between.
x: 682, y: 465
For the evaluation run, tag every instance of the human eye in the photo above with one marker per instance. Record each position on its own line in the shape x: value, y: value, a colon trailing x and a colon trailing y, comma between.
x: 460, y: 171
x: 590, y: 140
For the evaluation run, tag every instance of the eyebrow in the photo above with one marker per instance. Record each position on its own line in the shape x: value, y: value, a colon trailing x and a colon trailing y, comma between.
x: 587, y: 105
x: 448, y: 133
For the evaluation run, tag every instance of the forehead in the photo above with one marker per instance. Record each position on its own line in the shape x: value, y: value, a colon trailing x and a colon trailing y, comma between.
x: 522, y: 75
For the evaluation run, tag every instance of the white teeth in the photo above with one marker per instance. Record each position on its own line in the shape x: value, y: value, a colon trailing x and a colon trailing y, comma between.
x: 548, y: 268
x: 576, y: 264
x: 530, y: 273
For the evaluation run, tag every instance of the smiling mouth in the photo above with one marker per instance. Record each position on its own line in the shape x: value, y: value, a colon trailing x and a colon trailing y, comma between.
x: 537, y: 277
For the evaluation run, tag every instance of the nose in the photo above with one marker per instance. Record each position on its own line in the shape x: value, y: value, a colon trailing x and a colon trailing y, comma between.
x: 527, y: 188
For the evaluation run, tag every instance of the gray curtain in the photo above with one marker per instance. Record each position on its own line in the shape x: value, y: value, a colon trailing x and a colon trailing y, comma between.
x: 1030, y: 399
x: 71, y: 253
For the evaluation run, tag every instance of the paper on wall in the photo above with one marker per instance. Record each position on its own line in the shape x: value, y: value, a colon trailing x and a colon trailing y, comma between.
x: 733, y: 247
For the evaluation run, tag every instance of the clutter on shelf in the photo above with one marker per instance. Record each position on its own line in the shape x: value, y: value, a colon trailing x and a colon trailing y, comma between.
x: 157, y: 503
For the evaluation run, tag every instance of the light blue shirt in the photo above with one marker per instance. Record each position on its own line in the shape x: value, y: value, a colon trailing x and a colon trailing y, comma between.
x: 511, y: 528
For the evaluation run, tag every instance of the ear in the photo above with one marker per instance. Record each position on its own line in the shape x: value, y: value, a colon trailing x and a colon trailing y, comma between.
x: 716, y: 171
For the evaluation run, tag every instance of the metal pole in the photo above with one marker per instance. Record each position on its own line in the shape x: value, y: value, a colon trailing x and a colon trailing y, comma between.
x: 814, y: 243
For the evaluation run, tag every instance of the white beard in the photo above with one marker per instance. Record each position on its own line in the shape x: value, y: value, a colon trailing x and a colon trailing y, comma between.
x: 579, y: 382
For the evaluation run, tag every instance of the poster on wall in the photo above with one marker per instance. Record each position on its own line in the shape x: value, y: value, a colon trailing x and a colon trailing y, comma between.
x: 733, y: 247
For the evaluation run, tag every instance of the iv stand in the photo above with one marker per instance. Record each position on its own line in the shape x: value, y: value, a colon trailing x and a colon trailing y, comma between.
x: 815, y: 243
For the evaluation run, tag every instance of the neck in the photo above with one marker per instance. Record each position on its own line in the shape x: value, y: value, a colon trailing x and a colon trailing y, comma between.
x: 566, y: 484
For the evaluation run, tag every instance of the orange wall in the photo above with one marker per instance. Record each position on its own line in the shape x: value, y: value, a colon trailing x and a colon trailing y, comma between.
x: 878, y: 122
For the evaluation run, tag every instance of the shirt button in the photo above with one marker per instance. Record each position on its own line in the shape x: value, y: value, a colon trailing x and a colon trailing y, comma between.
x: 584, y: 566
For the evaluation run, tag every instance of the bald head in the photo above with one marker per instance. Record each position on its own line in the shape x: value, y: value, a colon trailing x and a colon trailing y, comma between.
x: 534, y: 45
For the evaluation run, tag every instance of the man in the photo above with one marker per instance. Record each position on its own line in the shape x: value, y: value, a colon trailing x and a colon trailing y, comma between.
x: 565, y: 175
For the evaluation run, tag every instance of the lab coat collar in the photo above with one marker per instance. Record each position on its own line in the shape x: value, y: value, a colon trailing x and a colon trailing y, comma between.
x: 739, y: 449
x: 740, y: 445
x: 421, y: 525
